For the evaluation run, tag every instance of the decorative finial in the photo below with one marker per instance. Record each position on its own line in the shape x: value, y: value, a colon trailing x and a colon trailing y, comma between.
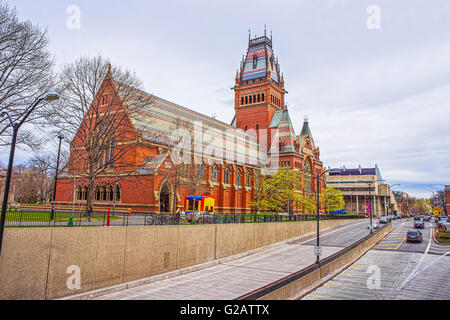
x: 265, y: 30
x: 306, y: 118
x: 249, y: 35
x: 109, y: 75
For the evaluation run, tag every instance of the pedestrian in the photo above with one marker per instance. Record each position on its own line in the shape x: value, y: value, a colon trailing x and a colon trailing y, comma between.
x: 90, y: 211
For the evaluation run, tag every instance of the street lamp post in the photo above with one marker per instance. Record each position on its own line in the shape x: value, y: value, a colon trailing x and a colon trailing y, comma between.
x: 370, y: 203
x: 15, y: 127
x: 60, y: 137
x: 318, y: 214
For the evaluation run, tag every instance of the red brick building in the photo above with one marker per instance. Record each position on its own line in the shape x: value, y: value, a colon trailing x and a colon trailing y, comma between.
x: 228, y: 155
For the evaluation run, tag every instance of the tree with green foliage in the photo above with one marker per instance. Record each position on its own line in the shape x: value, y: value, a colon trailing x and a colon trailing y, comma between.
x: 333, y: 199
x: 279, y: 190
x: 308, y: 203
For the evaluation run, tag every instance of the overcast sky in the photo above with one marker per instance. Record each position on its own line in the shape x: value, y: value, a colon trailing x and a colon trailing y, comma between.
x: 373, y: 96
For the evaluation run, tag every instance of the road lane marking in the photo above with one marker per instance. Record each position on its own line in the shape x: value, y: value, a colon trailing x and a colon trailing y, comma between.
x: 331, y: 232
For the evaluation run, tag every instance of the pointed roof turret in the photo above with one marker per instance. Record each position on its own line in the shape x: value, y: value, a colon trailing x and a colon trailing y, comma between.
x: 305, y: 133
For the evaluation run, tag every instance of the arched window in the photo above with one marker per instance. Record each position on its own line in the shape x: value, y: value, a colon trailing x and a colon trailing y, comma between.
x: 254, y: 98
x: 257, y: 127
x: 246, y: 128
x: 259, y: 97
x: 250, y: 99
x: 246, y: 100
x: 213, y: 174
x: 262, y: 97
x: 118, y: 193
x: 103, y: 194
x: 238, y: 178
x: 226, y: 178
x: 247, y: 180
x: 242, y: 100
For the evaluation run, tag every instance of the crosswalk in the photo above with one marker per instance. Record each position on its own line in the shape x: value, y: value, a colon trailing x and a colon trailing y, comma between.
x: 439, y: 248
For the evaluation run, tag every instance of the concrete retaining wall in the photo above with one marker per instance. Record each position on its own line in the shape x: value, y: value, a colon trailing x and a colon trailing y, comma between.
x: 34, y: 262
x: 295, y: 288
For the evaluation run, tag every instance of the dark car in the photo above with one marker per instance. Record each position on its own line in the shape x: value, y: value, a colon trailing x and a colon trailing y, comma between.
x: 419, y: 225
x: 414, y: 236
x: 417, y: 218
x: 426, y: 218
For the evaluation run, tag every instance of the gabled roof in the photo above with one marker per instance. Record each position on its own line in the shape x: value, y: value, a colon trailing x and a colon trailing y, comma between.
x: 282, y: 121
x: 305, y: 133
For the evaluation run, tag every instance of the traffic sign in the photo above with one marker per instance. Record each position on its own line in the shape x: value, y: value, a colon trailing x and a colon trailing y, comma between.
x: 318, y: 251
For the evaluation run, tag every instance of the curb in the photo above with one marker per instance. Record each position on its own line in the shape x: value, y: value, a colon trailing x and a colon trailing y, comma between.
x: 168, y: 275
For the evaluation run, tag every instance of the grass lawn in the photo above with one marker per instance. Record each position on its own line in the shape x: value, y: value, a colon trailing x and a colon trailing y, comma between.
x: 35, y: 216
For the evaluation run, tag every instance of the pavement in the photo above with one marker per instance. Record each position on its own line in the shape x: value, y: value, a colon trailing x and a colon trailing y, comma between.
x: 394, y: 269
x: 231, y: 279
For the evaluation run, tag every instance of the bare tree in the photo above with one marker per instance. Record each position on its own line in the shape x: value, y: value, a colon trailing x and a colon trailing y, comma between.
x: 96, y: 109
x: 25, y: 73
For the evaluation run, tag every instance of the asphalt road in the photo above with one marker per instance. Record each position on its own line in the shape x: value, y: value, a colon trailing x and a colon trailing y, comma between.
x: 229, y: 280
x: 394, y: 269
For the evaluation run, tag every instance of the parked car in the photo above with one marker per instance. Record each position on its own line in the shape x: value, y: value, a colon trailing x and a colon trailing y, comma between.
x: 417, y: 218
x: 442, y: 224
x: 375, y: 224
x: 426, y: 218
x: 419, y: 225
x: 414, y: 236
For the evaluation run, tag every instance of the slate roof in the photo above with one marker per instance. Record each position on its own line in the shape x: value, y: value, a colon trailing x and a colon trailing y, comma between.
x: 259, y: 59
x: 157, y: 119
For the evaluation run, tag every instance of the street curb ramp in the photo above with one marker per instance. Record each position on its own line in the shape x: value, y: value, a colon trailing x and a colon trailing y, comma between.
x: 300, y: 283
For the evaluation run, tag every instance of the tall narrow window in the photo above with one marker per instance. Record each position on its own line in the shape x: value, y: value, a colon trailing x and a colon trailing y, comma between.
x: 255, y: 61
x: 246, y: 100
x: 226, y: 177
x: 259, y: 97
x: 242, y: 100
x: 257, y: 127
x: 263, y: 97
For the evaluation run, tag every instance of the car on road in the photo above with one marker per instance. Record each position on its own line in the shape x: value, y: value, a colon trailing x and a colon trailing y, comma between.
x: 426, y: 218
x: 419, y: 225
x: 375, y: 224
x: 384, y: 220
x: 417, y: 218
x: 414, y: 236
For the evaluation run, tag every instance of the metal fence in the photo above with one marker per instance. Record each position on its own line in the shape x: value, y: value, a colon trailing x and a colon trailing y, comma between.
x: 19, y: 219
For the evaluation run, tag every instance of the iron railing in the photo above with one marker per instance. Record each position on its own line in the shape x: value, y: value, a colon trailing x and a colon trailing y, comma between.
x: 19, y: 219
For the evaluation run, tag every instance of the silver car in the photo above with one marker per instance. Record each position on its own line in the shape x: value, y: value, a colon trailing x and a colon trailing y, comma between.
x: 375, y: 224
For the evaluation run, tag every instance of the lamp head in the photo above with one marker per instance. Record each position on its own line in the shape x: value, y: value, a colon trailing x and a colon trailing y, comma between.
x: 51, y: 96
